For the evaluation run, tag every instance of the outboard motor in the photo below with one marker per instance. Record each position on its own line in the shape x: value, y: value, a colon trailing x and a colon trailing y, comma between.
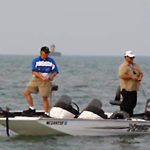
x: 93, y: 111
x: 64, y: 108
x: 147, y: 109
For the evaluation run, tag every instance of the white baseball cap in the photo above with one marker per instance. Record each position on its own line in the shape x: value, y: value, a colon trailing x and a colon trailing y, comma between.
x: 129, y: 54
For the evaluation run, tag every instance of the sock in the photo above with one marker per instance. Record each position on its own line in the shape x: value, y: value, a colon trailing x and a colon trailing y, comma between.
x: 31, y: 107
x: 46, y: 113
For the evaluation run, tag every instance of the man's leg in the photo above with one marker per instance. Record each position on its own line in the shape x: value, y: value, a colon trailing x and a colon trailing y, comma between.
x: 32, y: 87
x: 129, y: 101
x: 45, y: 104
x: 28, y: 97
x: 31, y: 111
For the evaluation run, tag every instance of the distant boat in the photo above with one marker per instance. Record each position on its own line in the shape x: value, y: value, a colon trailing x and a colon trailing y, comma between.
x: 53, y: 51
x: 55, y: 54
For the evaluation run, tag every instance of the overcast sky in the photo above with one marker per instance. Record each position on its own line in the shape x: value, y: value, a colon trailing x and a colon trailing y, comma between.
x: 76, y: 27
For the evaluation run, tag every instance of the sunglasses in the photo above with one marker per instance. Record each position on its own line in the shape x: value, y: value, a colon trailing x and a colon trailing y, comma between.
x: 132, y: 58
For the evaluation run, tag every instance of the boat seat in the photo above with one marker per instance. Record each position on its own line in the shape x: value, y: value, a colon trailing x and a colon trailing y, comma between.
x: 54, y: 87
x: 64, y: 108
x: 93, y: 111
x: 119, y: 115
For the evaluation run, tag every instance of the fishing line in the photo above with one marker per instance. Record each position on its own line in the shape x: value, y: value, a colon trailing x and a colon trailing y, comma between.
x: 143, y: 91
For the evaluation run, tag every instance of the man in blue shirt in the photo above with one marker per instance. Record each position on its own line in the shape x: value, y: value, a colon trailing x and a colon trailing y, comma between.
x: 44, y: 69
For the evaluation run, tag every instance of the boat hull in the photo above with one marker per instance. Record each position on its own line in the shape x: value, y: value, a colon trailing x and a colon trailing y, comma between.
x: 37, y: 126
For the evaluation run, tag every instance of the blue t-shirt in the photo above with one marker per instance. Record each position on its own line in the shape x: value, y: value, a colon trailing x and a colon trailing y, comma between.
x: 45, y: 67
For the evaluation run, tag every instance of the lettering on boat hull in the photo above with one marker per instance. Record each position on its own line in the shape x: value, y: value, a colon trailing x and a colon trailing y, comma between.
x: 59, y: 122
x: 138, y: 128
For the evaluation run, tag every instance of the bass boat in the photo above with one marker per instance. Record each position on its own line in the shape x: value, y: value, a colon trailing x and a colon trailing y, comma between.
x: 66, y: 119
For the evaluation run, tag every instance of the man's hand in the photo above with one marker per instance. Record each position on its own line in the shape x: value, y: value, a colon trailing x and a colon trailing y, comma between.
x: 51, y: 76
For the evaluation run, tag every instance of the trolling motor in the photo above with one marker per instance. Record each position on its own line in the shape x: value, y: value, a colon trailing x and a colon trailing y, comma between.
x: 7, y: 114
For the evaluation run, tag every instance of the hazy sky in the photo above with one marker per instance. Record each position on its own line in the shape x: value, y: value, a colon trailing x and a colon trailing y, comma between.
x: 76, y: 27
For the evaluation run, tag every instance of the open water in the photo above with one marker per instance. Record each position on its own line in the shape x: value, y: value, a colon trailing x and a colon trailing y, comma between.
x: 82, y: 78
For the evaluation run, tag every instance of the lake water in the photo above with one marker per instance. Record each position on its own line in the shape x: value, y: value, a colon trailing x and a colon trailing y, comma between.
x: 82, y: 78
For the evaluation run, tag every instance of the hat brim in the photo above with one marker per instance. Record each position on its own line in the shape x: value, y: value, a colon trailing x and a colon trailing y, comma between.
x: 130, y: 56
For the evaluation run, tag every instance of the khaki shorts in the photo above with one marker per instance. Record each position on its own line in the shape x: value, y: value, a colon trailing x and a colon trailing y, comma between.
x: 36, y: 85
